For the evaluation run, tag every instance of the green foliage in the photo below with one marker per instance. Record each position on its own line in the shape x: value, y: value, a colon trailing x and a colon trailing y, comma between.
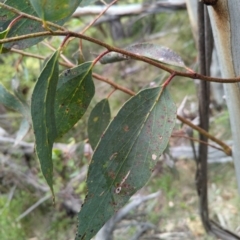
x: 98, y: 121
x: 43, y: 118
x: 75, y: 91
x: 126, y: 149
x: 2, y: 36
x: 53, y: 10
x: 13, y: 102
x: 152, y: 51
x: 24, y: 26
x: 10, y: 229
x: 125, y: 157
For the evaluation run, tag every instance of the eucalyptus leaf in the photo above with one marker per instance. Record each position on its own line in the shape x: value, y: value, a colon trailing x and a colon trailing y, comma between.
x: 3, y: 35
x: 98, y: 121
x: 22, y: 131
x: 75, y: 91
x: 12, y: 102
x: 150, y: 50
x: 125, y: 157
x: 23, y: 26
x: 53, y: 10
x: 43, y: 118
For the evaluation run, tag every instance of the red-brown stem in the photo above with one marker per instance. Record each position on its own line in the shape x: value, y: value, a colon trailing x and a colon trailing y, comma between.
x: 96, y: 18
x: 14, y: 21
x: 115, y: 85
x: 99, y: 57
x: 169, y: 79
x: 224, y: 146
x: 64, y: 41
x: 124, y: 52
x: 196, y: 140
x: 109, y: 95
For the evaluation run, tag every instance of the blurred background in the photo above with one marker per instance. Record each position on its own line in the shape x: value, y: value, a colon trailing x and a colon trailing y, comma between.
x: 167, y: 207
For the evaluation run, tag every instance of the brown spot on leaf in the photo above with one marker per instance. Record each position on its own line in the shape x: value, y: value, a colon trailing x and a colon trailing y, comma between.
x: 126, y: 128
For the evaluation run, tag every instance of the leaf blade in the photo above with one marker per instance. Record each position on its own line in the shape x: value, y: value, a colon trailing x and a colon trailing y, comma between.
x: 11, y: 101
x: 74, y: 93
x: 49, y: 9
x: 150, y: 50
x: 43, y: 118
x: 22, y: 131
x: 23, y: 26
x: 125, y: 157
x: 98, y: 121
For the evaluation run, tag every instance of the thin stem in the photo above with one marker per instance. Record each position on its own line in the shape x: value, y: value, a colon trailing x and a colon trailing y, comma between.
x: 96, y: 18
x: 64, y: 41
x: 225, y: 147
x: 64, y: 32
x: 14, y: 21
x: 65, y: 64
x: 110, y: 94
x: 14, y: 10
x: 169, y: 79
x: 67, y: 61
x: 113, y: 84
x: 197, y: 140
x: 124, y: 52
x: 99, y: 57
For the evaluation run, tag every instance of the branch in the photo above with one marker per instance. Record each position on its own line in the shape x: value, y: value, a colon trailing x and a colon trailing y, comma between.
x: 110, y: 48
x: 224, y: 146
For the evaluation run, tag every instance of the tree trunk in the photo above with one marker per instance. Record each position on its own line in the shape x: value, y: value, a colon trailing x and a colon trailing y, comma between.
x: 225, y: 20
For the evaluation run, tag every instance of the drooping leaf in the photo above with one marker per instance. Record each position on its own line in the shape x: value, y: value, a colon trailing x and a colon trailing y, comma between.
x: 98, y: 121
x: 22, y: 131
x: 12, y: 102
x: 125, y: 157
x: 74, y: 93
x: 43, y: 118
x: 53, y: 10
x: 150, y: 50
x: 23, y: 26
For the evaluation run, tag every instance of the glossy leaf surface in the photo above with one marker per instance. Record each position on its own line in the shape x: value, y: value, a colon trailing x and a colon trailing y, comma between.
x: 74, y: 93
x: 150, y: 50
x: 23, y: 26
x: 125, y: 157
x: 53, y: 10
x: 43, y: 118
x: 98, y: 121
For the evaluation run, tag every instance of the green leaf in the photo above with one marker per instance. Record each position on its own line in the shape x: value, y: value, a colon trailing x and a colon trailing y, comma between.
x: 22, y: 131
x: 152, y: 51
x: 43, y: 118
x: 74, y: 93
x: 125, y: 156
x: 23, y: 26
x: 3, y: 35
x: 12, y: 102
x: 53, y: 10
x: 98, y: 121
